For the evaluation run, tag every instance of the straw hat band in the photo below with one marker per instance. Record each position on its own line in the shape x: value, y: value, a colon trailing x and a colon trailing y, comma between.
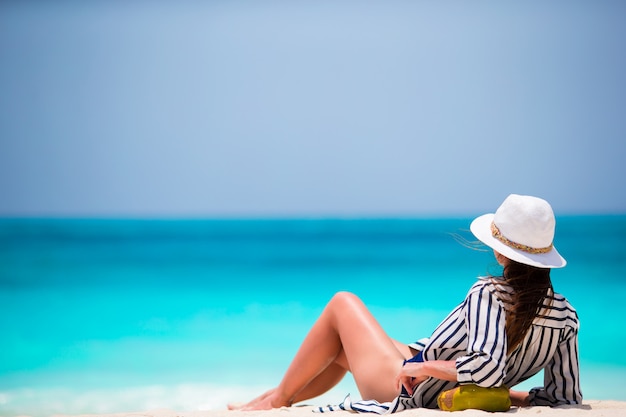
x: 495, y: 232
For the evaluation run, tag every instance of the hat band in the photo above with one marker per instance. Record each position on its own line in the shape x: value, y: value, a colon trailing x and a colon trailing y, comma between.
x: 495, y: 232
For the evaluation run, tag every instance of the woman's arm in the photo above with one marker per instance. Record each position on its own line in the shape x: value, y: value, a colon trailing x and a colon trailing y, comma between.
x: 484, y: 363
x: 413, y: 373
x: 561, y: 375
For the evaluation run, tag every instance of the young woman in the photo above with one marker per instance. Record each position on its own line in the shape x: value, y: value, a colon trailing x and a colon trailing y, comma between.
x: 506, y: 330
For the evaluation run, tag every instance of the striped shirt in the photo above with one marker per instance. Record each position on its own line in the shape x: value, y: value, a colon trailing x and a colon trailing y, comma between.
x: 473, y: 335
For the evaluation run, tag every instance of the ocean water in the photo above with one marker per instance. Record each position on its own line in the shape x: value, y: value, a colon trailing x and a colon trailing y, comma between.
x: 125, y: 315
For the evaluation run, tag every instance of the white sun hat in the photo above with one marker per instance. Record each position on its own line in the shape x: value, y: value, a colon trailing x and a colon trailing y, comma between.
x: 522, y: 229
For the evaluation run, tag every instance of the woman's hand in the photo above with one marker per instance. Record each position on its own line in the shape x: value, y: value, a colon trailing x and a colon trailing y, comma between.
x: 410, y: 376
x: 414, y: 373
x: 519, y: 398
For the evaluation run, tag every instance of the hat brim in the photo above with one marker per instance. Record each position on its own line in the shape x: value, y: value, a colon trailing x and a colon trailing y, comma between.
x: 481, y: 228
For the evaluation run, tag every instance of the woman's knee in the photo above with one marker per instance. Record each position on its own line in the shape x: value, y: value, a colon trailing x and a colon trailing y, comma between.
x: 344, y: 298
x: 345, y: 303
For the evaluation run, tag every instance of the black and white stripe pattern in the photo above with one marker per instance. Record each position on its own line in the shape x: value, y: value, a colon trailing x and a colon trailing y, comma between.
x: 473, y: 335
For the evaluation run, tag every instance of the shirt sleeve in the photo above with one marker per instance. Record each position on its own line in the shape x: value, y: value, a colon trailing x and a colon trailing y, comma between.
x: 485, y: 361
x: 561, y: 376
x: 420, y: 345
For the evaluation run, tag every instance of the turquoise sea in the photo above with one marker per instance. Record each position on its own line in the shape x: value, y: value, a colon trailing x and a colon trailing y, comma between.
x: 102, y: 315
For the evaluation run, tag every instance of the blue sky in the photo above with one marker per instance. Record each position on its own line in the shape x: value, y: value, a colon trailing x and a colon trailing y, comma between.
x: 319, y: 108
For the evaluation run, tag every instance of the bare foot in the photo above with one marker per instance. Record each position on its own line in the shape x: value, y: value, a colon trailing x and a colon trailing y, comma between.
x: 241, y: 406
x: 266, y: 401
x: 235, y: 406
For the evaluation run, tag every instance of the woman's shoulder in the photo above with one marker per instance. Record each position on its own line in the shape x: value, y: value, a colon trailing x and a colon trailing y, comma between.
x: 557, y: 312
x: 561, y: 303
x: 559, y: 298
x: 490, y: 283
x: 492, y: 287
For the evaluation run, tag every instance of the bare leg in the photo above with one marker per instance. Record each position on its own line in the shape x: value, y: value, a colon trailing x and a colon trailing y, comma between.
x: 346, y: 336
x: 322, y: 383
x: 330, y: 377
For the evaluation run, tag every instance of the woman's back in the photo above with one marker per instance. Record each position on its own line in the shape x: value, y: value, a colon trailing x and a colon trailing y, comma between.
x: 550, y: 344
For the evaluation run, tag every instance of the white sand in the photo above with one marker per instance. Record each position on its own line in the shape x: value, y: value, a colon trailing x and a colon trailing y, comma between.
x: 588, y: 409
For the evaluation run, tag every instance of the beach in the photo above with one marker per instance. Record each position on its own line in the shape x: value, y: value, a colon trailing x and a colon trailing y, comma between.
x: 604, y: 408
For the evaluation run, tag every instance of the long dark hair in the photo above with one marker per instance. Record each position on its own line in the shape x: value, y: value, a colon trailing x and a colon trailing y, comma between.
x: 531, y: 286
